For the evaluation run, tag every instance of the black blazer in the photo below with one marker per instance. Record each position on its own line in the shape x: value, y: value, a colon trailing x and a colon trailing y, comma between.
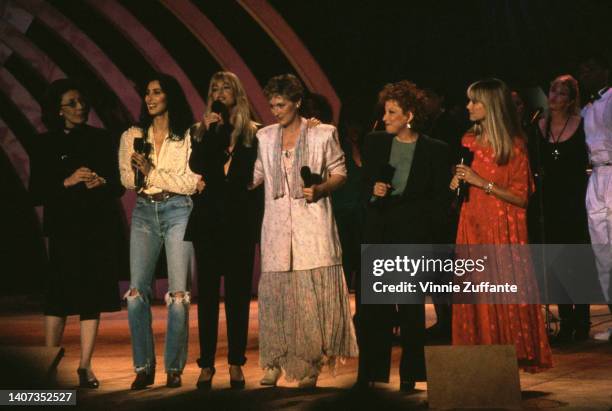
x: 69, y: 211
x: 420, y: 214
x: 226, y: 205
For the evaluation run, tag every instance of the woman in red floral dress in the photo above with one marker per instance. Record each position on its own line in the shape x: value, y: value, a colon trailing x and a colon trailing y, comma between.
x: 499, y: 186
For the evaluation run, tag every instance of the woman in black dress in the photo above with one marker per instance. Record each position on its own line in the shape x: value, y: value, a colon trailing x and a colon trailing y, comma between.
x: 562, y: 165
x: 75, y: 177
x: 225, y: 221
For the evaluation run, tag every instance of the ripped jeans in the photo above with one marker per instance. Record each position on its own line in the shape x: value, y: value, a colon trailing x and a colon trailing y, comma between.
x: 154, y: 224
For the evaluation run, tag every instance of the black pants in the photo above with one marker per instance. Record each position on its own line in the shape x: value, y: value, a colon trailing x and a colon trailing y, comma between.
x: 575, y: 317
x: 235, y: 263
x: 375, y: 324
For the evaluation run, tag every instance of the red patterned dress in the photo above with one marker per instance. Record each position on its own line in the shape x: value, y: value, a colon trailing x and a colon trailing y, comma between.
x: 485, y: 219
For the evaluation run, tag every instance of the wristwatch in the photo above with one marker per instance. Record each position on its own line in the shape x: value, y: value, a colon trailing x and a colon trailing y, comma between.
x: 489, y: 187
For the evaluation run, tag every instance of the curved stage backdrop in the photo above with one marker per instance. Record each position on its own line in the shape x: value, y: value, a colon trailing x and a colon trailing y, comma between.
x: 110, y: 45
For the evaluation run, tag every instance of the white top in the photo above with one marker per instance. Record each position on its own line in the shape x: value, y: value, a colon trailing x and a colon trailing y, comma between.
x: 598, y: 128
x: 170, y: 171
x: 297, y: 235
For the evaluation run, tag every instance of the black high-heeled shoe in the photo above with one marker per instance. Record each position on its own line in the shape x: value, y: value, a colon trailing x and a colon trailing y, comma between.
x: 408, y: 386
x: 203, y: 384
x: 85, y: 381
x: 237, y: 384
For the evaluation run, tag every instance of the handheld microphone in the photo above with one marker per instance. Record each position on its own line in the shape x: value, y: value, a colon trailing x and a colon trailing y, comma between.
x: 385, y: 175
x: 467, y: 157
x: 309, y: 178
x: 221, y: 109
x: 141, y: 146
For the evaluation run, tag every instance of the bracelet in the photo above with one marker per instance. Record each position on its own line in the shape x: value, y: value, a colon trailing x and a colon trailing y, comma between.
x: 488, y: 188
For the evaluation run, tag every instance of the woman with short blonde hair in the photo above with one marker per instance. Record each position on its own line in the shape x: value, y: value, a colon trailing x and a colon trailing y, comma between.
x: 304, y: 313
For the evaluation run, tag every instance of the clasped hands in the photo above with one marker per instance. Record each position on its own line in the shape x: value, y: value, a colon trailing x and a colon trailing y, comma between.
x: 84, y: 175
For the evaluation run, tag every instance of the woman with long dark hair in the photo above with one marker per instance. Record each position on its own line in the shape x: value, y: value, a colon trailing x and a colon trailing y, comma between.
x: 74, y: 176
x: 158, y: 171
x: 499, y: 186
x: 224, y: 222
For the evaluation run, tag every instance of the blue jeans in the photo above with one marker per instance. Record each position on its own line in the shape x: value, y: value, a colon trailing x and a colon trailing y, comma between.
x: 154, y: 224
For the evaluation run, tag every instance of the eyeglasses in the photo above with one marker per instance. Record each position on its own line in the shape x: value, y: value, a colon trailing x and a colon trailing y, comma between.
x: 73, y: 103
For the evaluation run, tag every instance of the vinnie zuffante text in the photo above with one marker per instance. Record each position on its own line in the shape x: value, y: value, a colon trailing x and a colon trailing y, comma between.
x: 414, y: 266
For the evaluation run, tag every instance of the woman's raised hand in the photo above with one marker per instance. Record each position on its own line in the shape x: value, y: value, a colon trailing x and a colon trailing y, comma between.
x: 212, y: 118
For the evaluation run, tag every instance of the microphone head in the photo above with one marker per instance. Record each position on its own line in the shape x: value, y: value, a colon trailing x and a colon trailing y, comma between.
x: 306, y: 175
x: 386, y: 173
x: 146, y: 149
x: 139, y: 144
x: 466, y: 155
x: 217, y: 107
x: 221, y: 109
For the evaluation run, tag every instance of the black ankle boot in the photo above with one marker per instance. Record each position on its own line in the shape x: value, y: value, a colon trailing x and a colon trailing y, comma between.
x: 143, y: 379
x: 173, y: 380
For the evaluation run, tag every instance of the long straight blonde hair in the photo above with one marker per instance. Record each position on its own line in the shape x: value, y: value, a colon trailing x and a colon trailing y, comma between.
x: 241, y: 119
x: 501, y: 124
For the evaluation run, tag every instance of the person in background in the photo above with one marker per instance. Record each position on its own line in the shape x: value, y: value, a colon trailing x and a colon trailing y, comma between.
x: 442, y: 126
x: 561, y: 166
x: 597, y: 114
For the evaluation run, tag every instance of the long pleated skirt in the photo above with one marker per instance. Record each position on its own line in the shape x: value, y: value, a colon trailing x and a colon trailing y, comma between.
x: 305, y: 321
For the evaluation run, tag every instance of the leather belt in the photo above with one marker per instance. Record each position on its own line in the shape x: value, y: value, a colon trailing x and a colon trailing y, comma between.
x: 158, y: 197
x: 606, y: 164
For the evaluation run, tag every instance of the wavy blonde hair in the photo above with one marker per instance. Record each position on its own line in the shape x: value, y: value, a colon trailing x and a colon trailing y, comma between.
x: 501, y: 124
x: 241, y: 118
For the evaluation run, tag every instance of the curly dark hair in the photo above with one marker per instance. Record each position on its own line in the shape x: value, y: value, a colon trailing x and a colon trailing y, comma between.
x: 53, y: 99
x: 285, y: 85
x: 409, y: 97
x: 180, y: 116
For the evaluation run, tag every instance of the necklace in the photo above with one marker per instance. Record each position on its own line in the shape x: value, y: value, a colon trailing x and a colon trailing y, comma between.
x: 555, y: 140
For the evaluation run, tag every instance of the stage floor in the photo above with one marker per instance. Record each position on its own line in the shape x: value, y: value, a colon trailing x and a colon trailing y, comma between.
x: 580, y: 380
